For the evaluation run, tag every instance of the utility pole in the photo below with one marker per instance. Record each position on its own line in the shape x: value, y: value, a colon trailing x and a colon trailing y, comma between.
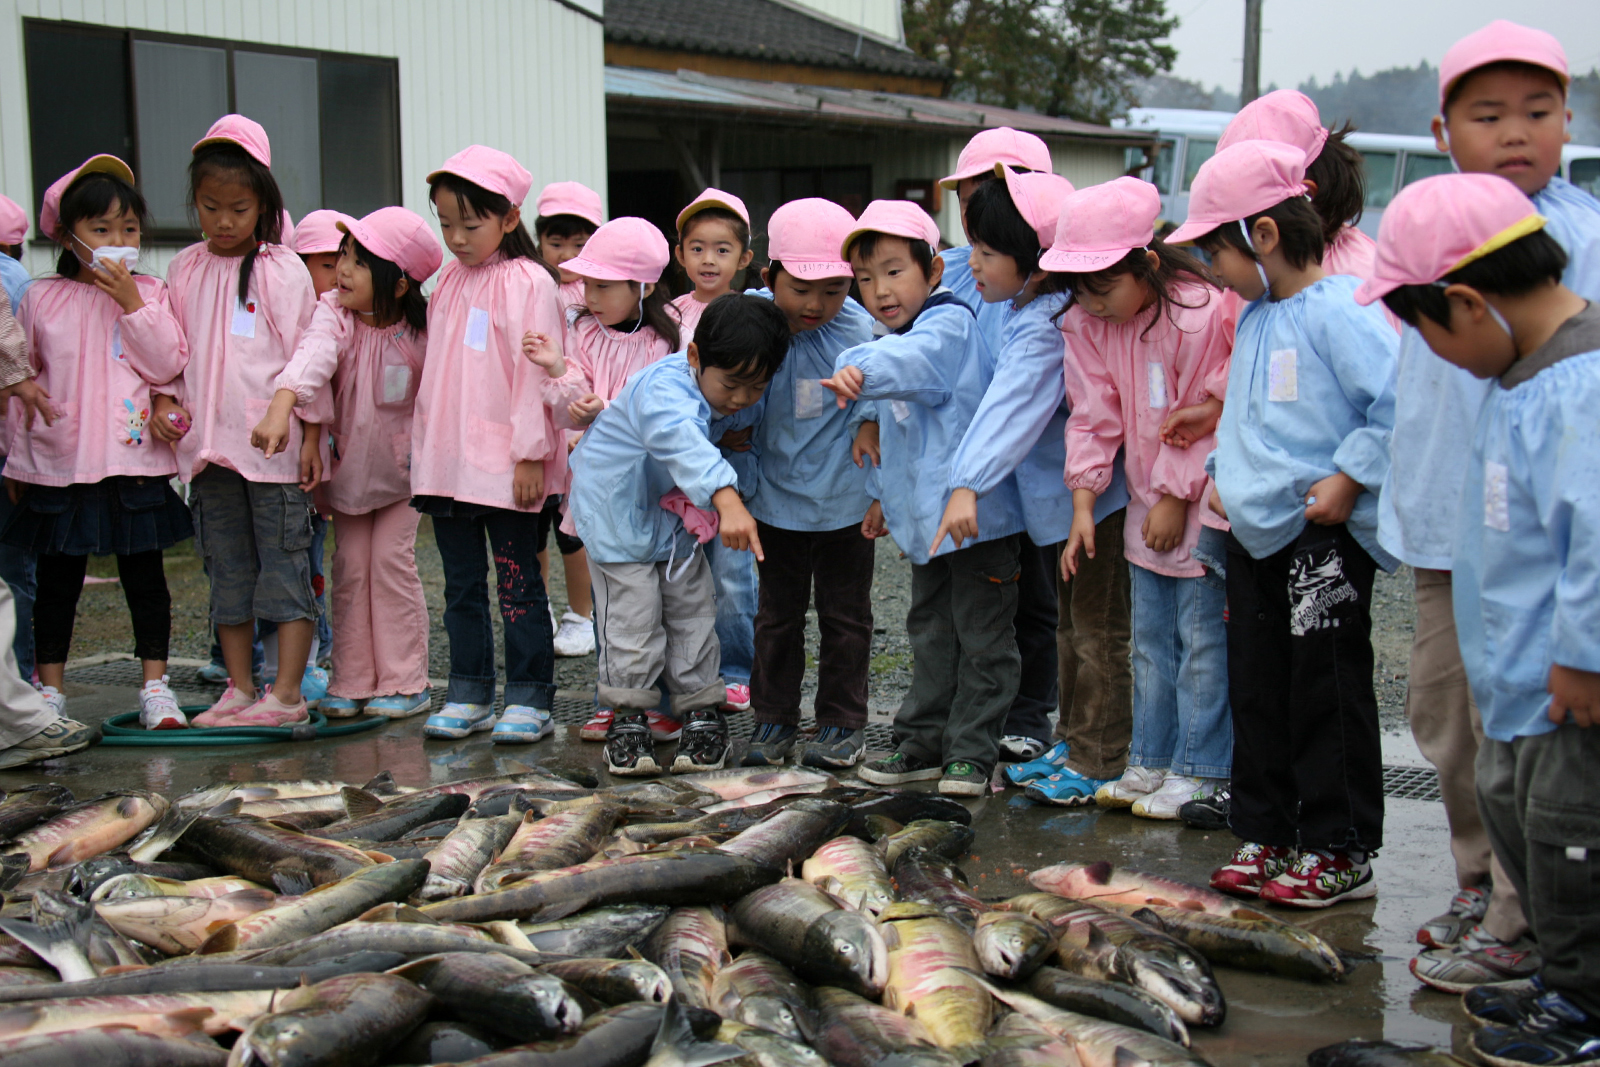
x: 1250, y: 87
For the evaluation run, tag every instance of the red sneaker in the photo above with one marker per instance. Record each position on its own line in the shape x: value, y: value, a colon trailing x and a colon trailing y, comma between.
x: 1251, y: 867
x: 663, y: 727
x: 1320, y: 878
x: 598, y: 726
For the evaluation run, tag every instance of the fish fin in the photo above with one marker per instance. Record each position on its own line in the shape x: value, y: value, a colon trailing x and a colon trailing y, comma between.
x: 559, y: 910
x: 378, y: 857
x: 123, y: 968
x: 1098, y: 942
x: 1098, y: 872
x: 227, y: 807
x: 635, y: 954
x: 1254, y: 916
x: 189, y: 1019
x: 380, y: 783
x: 676, y: 1046
x: 1149, y: 918
x: 359, y: 802
x: 223, y: 939
x: 909, y: 909
x: 1186, y: 905
x: 128, y: 807
x: 1126, y: 1057
x: 265, y: 897
x: 292, y: 883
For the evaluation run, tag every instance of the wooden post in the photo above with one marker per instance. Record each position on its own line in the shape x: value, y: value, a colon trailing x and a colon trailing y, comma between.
x: 1250, y: 86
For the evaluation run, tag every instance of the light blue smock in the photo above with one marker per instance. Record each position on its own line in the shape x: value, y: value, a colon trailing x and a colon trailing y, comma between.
x: 1526, y: 578
x: 1437, y: 403
x: 928, y: 381
x: 1310, y: 393
x: 16, y: 279
x: 802, y: 442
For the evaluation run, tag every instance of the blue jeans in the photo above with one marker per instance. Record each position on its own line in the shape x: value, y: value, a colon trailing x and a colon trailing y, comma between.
x: 524, y: 607
x: 734, y: 573
x: 1181, y: 719
x: 19, y: 569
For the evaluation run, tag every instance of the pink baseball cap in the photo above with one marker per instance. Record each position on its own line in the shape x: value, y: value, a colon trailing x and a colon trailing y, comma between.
x: 1102, y: 224
x: 571, y: 198
x: 805, y: 235
x: 13, y: 221
x: 1038, y: 196
x: 900, y: 218
x: 50, y: 211
x: 399, y: 235
x: 628, y: 249
x: 1241, y: 180
x: 490, y: 168
x: 1440, y: 224
x: 713, y: 198
x: 1501, y: 42
x: 1282, y: 115
x: 318, y: 233
x: 246, y: 133
x: 989, y: 150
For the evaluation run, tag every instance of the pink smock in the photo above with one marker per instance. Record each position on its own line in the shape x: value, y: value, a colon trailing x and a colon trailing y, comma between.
x: 98, y: 365
x: 236, y: 352
x: 689, y: 312
x: 375, y: 373
x: 480, y: 409
x: 1122, y: 384
x: 599, y: 360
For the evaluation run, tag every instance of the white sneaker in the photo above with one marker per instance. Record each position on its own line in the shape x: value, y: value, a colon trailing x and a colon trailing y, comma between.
x: 55, y: 700
x: 1176, y: 791
x: 1135, y: 782
x: 158, y: 708
x: 575, y: 635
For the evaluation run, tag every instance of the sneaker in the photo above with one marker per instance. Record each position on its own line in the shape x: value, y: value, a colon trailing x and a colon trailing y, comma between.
x: 1251, y: 867
x: 1041, y: 767
x: 630, y: 750
x: 1321, y: 877
x: 1467, y: 909
x: 1503, y: 1003
x: 1176, y: 791
x: 1208, y: 812
x: 270, y: 711
x: 1556, y: 1033
x: 455, y: 721
x: 158, y: 708
x: 770, y: 745
x: 738, y: 697
x: 963, y: 779
x: 663, y: 727
x: 1015, y: 748
x: 215, y: 673
x: 897, y: 768
x: 598, y: 726
x: 520, y: 724
x: 340, y: 707
x: 1135, y: 783
x: 574, y: 635
x: 704, y: 745
x: 1066, y: 788
x: 397, y: 706
x: 229, y: 704
x: 836, y: 748
x: 313, y: 685
x: 61, y: 737
x: 1477, y: 958
x: 54, y: 699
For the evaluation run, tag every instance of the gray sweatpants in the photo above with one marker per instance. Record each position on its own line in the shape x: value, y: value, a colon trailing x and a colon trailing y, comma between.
x: 23, y: 711
x: 1540, y: 799
x: 648, y: 626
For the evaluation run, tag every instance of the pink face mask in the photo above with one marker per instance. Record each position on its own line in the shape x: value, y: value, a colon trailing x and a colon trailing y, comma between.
x: 701, y: 523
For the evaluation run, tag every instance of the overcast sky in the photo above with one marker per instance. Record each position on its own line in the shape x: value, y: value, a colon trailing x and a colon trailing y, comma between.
x: 1305, y: 37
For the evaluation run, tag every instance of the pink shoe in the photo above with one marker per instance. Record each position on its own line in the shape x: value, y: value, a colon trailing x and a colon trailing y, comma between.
x: 738, y: 697
x: 231, y: 703
x: 270, y: 711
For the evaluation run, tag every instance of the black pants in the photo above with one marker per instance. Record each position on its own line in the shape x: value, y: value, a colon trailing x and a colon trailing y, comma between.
x: 1307, y: 762
x: 144, y: 584
x: 1039, y: 686
x: 838, y: 563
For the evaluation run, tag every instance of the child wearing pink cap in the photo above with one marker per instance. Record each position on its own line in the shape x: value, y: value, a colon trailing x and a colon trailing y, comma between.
x: 13, y: 228
x: 1468, y: 262
x: 242, y: 300
x: 485, y: 451
x: 317, y: 241
x: 1147, y: 334
x: 367, y: 338
x: 1502, y: 97
x: 94, y: 480
x: 1301, y: 450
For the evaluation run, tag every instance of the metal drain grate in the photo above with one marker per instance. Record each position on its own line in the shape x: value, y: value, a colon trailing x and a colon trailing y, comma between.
x: 1411, y: 783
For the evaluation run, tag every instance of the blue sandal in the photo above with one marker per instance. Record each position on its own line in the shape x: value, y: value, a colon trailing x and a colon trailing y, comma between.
x: 1042, y: 767
x: 340, y: 707
x: 455, y: 721
x: 399, y: 705
x: 522, y: 725
x: 1066, y: 788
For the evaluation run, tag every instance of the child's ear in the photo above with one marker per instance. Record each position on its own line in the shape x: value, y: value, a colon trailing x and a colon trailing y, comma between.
x: 693, y: 353
x: 512, y: 220
x: 1153, y: 258
x: 1441, y: 136
x: 766, y: 277
x: 677, y: 254
x: 1264, y: 237
x: 936, y: 274
x: 646, y: 290
x: 402, y: 287
x: 1311, y: 187
x: 749, y: 253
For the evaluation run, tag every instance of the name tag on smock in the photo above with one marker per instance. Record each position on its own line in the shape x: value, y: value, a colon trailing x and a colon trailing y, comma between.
x: 244, y: 318
x: 810, y: 398
x: 116, y: 343
x: 1158, y: 384
x: 477, y: 330
x: 396, y: 383
x: 1283, y: 376
x: 902, y: 410
x: 1496, y: 497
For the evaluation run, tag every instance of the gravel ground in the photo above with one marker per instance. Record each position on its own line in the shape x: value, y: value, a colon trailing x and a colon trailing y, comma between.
x: 103, y: 623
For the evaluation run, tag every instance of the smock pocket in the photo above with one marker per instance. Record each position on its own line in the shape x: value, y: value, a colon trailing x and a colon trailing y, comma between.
x: 296, y: 519
x: 59, y: 440
x: 811, y: 398
x: 397, y: 381
x: 1565, y: 853
x: 488, y: 445
x: 1516, y: 646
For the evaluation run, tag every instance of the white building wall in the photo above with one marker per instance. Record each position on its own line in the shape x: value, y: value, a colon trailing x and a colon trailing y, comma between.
x: 880, y: 17
x: 525, y: 76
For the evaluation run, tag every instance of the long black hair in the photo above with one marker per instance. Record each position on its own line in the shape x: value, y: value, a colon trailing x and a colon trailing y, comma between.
x: 410, y: 307
x: 1340, y: 177
x: 993, y: 218
x: 90, y: 197
x: 657, y: 313
x: 1173, y: 265
x: 470, y: 196
x: 225, y: 160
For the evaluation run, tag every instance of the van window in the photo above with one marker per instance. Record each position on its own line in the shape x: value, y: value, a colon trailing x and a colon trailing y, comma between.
x: 1420, y: 166
x: 1585, y: 174
x: 1380, y: 167
x: 1197, y: 153
x: 1161, y: 173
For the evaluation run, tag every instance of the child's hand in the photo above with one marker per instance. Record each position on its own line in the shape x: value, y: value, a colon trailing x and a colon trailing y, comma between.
x: 1576, y: 693
x: 168, y: 420
x: 310, y: 456
x: 271, y: 434
x: 736, y: 526
x: 960, y: 519
x: 35, y: 401
x: 866, y: 445
x: 116, y: 281
x: 1330, y: 501
x: 1163, y: 526
x: 585, y: 409
x: 1187, y: 425
x: 1081, y: 535
x: 1214, y: 502
x: 846, y: 384
x: 527, y: 484
x: 872, y: 527
x: 544, y: 351
x: 737, y: 440
x: 14, y: 490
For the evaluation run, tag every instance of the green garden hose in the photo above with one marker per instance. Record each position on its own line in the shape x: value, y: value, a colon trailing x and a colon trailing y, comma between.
x: 124, y: 729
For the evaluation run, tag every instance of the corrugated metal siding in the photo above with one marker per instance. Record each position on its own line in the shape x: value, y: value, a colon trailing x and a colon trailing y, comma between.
x: 526, y: 76
x: 1086, y: 165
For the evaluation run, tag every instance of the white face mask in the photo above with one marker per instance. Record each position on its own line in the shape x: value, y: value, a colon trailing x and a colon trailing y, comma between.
x: 124, y: 254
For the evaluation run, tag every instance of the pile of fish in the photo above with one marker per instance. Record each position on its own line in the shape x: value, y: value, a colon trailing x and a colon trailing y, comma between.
x: 776, y: 918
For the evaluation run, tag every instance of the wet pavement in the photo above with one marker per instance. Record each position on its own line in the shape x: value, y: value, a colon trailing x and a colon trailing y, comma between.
x: 1271, y: 1021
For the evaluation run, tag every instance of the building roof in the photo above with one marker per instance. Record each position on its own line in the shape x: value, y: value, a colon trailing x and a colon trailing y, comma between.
x: 761, y: 29
x: 690, y: 93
